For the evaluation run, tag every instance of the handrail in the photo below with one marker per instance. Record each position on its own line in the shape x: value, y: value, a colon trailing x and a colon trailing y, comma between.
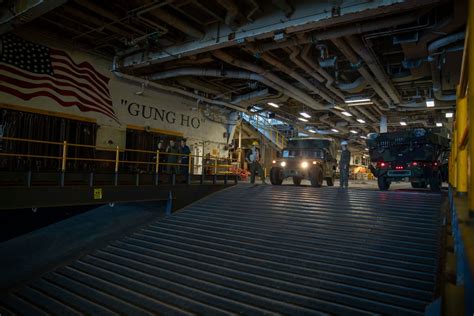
x: 261, y: 124
x: 64, y: 157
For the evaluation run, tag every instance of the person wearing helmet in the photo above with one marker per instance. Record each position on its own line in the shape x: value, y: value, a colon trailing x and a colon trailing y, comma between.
x: 253, y: 158
x: 344, y: 163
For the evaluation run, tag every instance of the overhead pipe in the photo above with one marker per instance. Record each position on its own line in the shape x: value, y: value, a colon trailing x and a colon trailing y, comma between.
x: 435, y: 72
x: 353, y: 59
x: 295, y: 75
x: 232, y: 12
x: 320, y: 70
x: 370, y: 60
x: 356, y: 86
x: 250, y: 96
x: 33, y: 10
x: 168, y: 89
x: 177, y: 23
x: 336, y: 32
x: 284, y: 86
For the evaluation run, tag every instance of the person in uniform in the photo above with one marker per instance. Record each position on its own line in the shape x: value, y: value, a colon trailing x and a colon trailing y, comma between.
x: 172, y: 158
x: 253, y: 158
x: 344, y: 163
x: 184, y: 160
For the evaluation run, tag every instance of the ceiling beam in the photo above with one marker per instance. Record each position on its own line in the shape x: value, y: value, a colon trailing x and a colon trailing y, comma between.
x: 307, y: 15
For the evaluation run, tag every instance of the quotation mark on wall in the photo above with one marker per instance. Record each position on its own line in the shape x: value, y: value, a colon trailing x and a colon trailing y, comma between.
x: 123, y: 102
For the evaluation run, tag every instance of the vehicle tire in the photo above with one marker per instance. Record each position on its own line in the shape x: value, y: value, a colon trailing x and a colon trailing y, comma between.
x: 296, y: 180
x: 383, y: 183
x: 435, y: 182
x: 276, y: 176
x: 330, y: 181
x: 317, y: 178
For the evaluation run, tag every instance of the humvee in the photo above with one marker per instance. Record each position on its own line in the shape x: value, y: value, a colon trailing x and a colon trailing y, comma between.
x: 306, y: 158
x: 415, y: 155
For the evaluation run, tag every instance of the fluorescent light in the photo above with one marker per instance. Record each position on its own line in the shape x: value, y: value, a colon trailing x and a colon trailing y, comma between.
x: 361, y: 103
x: 302, y: 119
x: 363, y: 137
x: 304, y: 114
x: 357, y: 100
x: 439, y: 124
x: 311, y: 131
x: 430, y: 103
x: 449, y: 114
x: 353, y: 131
x: 360, y: 121
x: 346, y: 113
x: 334, y: 130
x: 367, y: 149
x: 339, y: 108
x: 273, y: 104
x: 403, y: 123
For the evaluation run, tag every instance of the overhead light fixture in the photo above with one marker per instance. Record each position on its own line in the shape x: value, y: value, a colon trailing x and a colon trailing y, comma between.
x: 273, y: 104
x: 449, y: 114
x: 346, y: 113
x: 354, y: 131
x: 439, y: 124
x: 339, y: 108
x: 403, y: 123
x: 304, y: 114
x: 357, y: 100
x: 312, y: 131
x: 334, y: 130
x: 363, y: 137
x: 367, y: 149
x: 430, y: 103
x: 302, y: 119
x: 360, y: 121
x: 361, y: 103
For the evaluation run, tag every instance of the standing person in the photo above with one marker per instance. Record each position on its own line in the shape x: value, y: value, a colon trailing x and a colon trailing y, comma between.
x: 344, y: 163
x: 184, y: 150
x: 253, y: 158
x: 172, y: 158
x: 160, y: 148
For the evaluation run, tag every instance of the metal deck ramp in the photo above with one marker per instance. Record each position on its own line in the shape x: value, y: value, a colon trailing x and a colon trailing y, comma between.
x: 258, y: 250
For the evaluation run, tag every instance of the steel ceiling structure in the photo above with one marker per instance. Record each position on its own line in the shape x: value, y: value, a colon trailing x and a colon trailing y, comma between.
x: 306, y: 55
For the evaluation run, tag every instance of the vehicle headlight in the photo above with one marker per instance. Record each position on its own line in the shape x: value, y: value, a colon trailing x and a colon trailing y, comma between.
x: 283, y: 163
x: 273, y: 161
x: 304, y: 164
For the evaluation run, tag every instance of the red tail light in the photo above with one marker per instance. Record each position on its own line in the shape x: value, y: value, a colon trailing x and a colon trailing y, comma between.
x: 382, y: 164
x: 435, y: 164
x: 414, y: 164
x: 398, y: 167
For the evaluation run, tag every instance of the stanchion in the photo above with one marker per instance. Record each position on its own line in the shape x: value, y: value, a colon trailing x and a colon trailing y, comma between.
x: 157, y: 168
x: 117, y: 155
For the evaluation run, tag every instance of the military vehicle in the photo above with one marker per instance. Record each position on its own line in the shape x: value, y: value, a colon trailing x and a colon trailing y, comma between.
x: 306, y: 158
x: 416, y: 155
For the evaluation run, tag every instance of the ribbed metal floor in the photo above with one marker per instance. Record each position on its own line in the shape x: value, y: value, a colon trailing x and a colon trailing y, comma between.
x: 259, y: 250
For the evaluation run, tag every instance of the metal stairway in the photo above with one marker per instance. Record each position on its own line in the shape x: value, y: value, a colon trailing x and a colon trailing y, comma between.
x: 258, y: 250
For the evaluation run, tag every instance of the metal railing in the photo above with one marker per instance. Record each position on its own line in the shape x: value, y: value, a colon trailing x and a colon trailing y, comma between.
x: 262, y: 125
x: 461, y: 176
x: 209, y: 165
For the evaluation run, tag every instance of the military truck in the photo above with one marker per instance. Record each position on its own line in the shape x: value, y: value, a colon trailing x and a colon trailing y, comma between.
x: 306, y: 158
x: 416, y: 155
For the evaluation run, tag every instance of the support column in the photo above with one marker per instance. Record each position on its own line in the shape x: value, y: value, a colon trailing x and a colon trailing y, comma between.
x: 470, y: 99
x: 461, y: 158
x: 383, y: 124
x: 240, y: 145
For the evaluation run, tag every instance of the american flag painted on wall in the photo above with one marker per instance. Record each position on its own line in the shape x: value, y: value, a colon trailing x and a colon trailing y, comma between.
x: 29, y: 70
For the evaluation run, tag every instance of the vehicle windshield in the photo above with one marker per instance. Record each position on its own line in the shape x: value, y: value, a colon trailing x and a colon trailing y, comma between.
x: 306, y: 153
